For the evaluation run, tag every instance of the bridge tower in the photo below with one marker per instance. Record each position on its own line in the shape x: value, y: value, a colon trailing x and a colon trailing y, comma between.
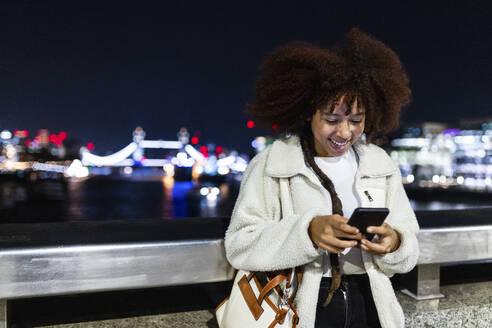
x: 138, y: 137
x: 183, y: 136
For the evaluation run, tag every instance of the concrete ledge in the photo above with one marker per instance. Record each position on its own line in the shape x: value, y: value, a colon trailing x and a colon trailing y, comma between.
x: 192, y: 319
x: 464, y: 306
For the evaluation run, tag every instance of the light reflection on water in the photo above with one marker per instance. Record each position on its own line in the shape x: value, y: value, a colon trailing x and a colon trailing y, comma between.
x: 151, y: 198
x: 103, y: 198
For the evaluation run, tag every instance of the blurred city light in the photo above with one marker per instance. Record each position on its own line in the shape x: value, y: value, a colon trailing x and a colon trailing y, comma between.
x: 222, y: 170
x: 161, y: 144
x: 5, y: 134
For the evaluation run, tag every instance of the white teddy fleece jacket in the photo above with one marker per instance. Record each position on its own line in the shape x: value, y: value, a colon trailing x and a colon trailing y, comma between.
x: 279, y: 197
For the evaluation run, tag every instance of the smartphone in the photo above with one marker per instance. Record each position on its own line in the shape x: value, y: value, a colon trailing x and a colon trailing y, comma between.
x: 364, y: 217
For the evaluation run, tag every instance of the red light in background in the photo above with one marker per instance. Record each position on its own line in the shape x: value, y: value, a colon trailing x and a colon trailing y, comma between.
x: 204, y: 151
x: 62, y: 135
x: 28, y: 142
x: 250, y: 124
x: 274, y: 126
x: 194, y: 140
x: 90, y: 146
x: 20, y: 133
x: 219, y: 149
x: 55, y: 139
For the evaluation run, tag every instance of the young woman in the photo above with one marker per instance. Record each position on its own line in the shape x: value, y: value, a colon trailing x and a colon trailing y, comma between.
x: 331, y: 104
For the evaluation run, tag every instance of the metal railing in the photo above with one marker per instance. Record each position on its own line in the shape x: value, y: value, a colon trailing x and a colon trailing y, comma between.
x: 72, y: 269
x: 45, y: 271
x: 447, y: 245
x: 49, y: 271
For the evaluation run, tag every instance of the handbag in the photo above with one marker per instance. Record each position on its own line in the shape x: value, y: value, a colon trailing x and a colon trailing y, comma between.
x: 261, y: 299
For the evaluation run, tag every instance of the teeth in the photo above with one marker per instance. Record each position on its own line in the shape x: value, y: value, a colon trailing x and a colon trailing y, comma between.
x: 338, y: 143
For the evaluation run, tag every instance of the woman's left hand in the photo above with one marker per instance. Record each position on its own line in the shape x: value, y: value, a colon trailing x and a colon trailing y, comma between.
x: 389, y: 240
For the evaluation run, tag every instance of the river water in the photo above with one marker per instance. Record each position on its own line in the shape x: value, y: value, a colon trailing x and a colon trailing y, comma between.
x: 109, y: 198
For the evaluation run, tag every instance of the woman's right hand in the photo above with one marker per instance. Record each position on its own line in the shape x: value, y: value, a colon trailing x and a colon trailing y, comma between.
x: 326, y: 231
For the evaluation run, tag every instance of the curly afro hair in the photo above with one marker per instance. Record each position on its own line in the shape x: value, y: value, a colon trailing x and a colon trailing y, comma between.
x: 300, y: 78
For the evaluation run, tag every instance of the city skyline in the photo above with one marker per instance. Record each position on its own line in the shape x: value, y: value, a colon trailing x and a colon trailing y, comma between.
x: 99, y: 70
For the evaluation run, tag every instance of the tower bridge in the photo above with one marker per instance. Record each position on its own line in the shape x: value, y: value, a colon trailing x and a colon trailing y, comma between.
x: 187, y: 155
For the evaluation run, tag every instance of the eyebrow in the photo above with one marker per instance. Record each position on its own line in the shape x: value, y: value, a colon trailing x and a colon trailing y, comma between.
x: 334, y: 114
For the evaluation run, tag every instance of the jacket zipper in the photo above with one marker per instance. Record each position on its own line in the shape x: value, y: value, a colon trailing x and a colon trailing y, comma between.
x: 344, y: 289
x: 368, y: 195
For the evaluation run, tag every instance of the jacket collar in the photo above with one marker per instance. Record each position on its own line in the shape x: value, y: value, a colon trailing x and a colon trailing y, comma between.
x: 285, y: 159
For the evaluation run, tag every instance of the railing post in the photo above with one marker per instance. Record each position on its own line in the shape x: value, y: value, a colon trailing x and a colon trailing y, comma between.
x: 3, y: 313
x: 426, y: 286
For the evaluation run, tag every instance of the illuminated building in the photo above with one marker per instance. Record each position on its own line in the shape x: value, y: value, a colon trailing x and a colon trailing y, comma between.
x: 433, y: 155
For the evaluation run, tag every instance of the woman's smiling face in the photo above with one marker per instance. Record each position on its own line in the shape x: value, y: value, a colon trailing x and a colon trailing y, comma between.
x: 335, y: 132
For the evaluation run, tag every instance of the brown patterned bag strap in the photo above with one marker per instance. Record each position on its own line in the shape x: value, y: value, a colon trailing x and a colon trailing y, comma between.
x: 277, y: 280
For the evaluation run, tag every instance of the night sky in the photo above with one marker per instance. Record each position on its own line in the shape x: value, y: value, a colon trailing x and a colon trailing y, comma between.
x: 98, y: 69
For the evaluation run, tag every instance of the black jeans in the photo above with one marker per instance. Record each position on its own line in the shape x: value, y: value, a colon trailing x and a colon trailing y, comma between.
x: 352, y: 305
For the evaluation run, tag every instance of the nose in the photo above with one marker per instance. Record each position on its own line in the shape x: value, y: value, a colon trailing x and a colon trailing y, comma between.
x: 343, y: 130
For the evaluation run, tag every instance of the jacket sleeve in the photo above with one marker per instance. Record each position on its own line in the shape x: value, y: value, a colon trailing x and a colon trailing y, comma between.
x: 259, y: 237
x: 402, y: 219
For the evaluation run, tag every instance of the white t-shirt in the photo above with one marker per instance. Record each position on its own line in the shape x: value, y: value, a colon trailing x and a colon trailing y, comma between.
x: 341, y: 171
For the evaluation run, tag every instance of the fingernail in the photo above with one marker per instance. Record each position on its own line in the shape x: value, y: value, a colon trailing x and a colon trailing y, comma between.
x: 370, y: 229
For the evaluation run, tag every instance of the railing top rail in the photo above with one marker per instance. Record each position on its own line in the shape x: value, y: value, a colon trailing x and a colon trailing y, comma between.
x: 455, y: 244
x: 484, y: 227
x: 78, y: 269
x: 95, y: 248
